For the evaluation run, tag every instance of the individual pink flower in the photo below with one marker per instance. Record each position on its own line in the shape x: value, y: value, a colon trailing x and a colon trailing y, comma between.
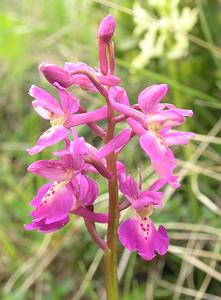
x: 60, y: 115
x: 138, y: 232
x: 153, y: 124
x: 70, y: 191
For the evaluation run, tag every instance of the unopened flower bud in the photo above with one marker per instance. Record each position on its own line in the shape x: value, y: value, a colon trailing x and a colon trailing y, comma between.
x: 57, y: 74
x: 106, y: 29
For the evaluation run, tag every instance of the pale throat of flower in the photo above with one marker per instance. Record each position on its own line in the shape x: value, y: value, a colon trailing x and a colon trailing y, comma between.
x: 154, y: 126
x: 57, y: 120
x: 145, y: 211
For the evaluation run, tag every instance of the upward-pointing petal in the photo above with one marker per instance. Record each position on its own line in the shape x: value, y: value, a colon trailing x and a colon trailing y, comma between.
x: 44, y: 102
x: 150, y: 97
x: 69, y: 103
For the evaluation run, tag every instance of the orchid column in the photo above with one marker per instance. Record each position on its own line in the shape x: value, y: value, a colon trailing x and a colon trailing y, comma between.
x: 71, y: 190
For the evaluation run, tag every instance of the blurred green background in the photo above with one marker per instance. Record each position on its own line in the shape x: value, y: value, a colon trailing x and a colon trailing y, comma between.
x: 175, y: 42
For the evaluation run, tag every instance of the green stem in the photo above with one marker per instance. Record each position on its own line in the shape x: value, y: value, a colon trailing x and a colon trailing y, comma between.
x: 110, y: 256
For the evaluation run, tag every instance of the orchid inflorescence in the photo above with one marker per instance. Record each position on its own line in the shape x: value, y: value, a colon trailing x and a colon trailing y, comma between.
x: 71, y: 190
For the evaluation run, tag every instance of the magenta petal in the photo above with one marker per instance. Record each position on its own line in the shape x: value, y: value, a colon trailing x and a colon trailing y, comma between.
x: 70, y: 103
x: 129, y: 187
x: 183, y: 112
x: 94, y: 116
x: 90, y: 215
x: 159, y: 183
x: 56, y: 203
x: 50, y: 169
x: 136, y: 126
x: 55, y: 73
x: 122, y: 108
x: 121, y: 168
x: 44, y: 103
x: 110, y: 80
x: 165, y: 166
x: 117, y: 142
x: 161, y: 156
x: 147, y: 198
x: 50, y: 137
x: 92, y: 192
x: 167, y: 118
x: 119, y: 95
x: 141, y: 235
x: 178, y: 138
x: 85, y: 188
x: 153, y: 145
x: 46, y: 228
x: 41, y: 192
x: 149, y: 98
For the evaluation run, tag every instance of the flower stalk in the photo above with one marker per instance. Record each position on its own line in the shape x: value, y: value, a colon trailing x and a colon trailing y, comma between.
x: 110, y: 256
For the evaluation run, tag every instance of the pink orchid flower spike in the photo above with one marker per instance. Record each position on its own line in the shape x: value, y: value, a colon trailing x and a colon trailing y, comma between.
x: 138, y: 232
x: 153, y: 124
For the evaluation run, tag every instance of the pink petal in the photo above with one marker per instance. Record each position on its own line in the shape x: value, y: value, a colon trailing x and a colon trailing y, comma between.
x: 50, y: 137
x: 149, y: 98
x: 167, y: 118
x: 178, y: 138
x: 85, y: 188
x: 147, y: 198
x: 160, y: 183
x: 57, y: 74
x: 153, y: 145
x: 109, y: 80
x: 117, y: 142
x: 165, y: 166
x: 122, y: 108
x: 183, y: 112
x: 46, y: 228
x: 56, y: 203
x: 41, y: 192
x: 70, y: 103
x: 141, y: 235
x: 129, y: 187
x: 161, y: 156
x: 119, y: 95
x: 90, y: 215
x: 84, y: 118
x: 44, y: 104
x: 136, y: 126
x: 121, y: 168
x: 50, y: 169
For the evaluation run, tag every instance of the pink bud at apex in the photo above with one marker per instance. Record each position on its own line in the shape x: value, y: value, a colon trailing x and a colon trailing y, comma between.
x: 106, y: 29
x: 105, y: 33
x: 57, y: 74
